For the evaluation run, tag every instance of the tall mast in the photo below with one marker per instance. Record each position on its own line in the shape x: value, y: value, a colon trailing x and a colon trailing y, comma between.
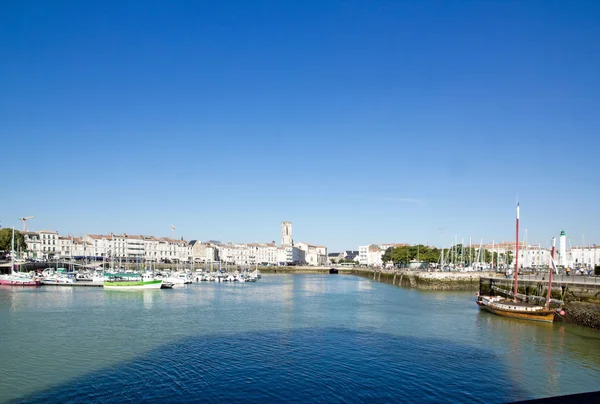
x: 516, y: 258
x: 12, y: 252
x: 551, y: 271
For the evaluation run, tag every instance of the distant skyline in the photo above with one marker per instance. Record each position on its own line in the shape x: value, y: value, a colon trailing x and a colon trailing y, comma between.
x: 360, y: 122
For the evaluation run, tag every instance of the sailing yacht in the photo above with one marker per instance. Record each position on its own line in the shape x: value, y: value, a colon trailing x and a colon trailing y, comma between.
x: 515, y: 308
x: 15, y: 278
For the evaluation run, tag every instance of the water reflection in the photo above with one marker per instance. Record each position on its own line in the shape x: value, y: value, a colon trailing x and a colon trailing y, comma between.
x: 309, y: 365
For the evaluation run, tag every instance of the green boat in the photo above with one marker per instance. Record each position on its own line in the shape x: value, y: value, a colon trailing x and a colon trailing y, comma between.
x: 130, y: 281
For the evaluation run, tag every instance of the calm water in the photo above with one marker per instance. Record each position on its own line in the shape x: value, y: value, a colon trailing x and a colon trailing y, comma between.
x: 292, y: 338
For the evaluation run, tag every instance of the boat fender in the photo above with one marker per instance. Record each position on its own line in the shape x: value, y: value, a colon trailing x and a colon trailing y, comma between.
x: 562, y: 312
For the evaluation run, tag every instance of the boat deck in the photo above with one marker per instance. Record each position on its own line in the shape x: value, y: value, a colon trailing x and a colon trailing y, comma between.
x: 517, y: 306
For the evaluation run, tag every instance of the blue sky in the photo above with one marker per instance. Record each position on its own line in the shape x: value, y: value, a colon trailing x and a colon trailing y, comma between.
x: 359, y: 121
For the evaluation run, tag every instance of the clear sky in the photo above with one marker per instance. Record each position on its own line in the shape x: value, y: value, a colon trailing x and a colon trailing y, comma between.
x: 359, y: 121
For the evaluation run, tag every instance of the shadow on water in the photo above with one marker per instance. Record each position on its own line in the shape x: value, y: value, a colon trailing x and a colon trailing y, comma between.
x: 303, y: 365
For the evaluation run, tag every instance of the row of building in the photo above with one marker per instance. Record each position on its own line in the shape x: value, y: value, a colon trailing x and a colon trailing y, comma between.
x: 530, y: 256
x: 128, y: 247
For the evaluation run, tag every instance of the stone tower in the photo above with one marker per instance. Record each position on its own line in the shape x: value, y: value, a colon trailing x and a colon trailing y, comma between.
x: 286, y: 234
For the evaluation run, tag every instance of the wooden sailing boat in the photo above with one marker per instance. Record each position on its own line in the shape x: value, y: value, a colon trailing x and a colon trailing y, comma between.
x: 523, y: 310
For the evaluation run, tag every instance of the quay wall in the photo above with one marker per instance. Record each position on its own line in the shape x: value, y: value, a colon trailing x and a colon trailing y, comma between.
x: 404, y: 278
x: 426, y: 280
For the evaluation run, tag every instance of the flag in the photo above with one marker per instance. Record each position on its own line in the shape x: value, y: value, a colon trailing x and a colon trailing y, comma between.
x: 173, y: 227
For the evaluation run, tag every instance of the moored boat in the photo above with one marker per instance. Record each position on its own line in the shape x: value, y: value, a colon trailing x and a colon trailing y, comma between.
x: 18, y: 280
x: 521, y: 310
x: 58, y: 280
x: 127, y: 281
x: 515, y: 308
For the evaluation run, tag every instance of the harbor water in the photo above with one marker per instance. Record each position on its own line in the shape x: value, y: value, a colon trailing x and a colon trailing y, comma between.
x: 285, y: 338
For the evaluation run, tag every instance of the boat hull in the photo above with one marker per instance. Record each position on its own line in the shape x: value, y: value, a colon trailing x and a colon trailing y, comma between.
x: 531, y: 313
x: 133, y: 285
x: 58, y: 281
x: 19, y: 282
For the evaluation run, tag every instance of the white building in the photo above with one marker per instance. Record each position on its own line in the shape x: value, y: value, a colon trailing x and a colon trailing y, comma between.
x: 42, y: 244
x: 34, y: 245
x: 263, y: 253
x: 204, y: 252
x: 372, y: 254
x: 583, y: 257
x: 292, y: 256
x: 313, y: 255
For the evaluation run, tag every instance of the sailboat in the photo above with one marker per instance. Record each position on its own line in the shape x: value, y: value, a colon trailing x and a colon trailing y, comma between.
x: 14, y: 278
x: 523, y: 310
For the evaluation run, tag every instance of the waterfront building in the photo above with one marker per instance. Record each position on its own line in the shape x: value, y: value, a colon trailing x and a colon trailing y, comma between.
x: 205, y: 252
x: 371, y: 255
x: 34, y: 245
x: 313, y: 255
x: 263, y: 253
x: 41, y: 244
x: 582, y: 257
x: 334, y: 258
x: 293, y: 256
x: 71, y: 247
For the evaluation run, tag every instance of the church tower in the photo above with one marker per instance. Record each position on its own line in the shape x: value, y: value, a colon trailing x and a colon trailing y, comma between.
x: 286, y: 234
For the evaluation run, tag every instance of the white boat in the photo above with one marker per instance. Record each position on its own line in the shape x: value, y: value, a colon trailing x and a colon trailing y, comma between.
x: 15, y: 278
x: 58, y: 280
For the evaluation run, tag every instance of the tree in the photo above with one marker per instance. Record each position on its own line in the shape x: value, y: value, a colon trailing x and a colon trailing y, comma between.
x: 509, y: 258
x: 6, y: 240
x: 387, y: 255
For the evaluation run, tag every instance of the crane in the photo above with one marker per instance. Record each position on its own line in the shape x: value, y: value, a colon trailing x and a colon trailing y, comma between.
x: 24, y: 220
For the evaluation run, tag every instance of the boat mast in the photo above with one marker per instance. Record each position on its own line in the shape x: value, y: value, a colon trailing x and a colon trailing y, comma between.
x: 12, y: 253
x: 516, y: 258
x: 551, y: 271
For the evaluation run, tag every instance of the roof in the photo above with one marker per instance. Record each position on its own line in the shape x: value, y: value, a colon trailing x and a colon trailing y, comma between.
x: 333, y: 254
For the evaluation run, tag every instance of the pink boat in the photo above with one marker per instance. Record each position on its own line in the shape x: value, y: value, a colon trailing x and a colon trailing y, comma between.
x: 16, y: 280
